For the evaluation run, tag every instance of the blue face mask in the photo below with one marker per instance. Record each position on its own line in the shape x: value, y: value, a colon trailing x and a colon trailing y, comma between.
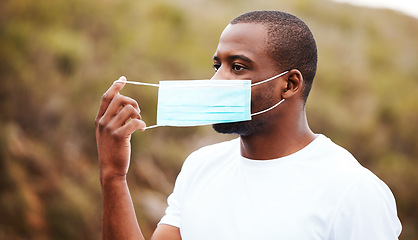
x: 204, y: 102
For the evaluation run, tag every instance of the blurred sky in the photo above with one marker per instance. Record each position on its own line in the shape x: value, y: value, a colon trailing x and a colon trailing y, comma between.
x: 409, y: 7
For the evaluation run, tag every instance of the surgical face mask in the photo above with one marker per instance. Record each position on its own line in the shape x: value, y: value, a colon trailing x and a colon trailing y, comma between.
x: 204, y: 102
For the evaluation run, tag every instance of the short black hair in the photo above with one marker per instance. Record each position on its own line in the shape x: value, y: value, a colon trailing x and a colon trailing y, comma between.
x: 290, y: 42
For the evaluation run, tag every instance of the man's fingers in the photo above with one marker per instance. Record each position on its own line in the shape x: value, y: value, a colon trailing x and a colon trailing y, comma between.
x: 118, y: 103
x: 127, y: 113
x: 108, y: 96
x: 130, y: 127
x: 133, y: 125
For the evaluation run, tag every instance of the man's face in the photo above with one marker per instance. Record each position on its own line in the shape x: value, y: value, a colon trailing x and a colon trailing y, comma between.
x: 241, y: 54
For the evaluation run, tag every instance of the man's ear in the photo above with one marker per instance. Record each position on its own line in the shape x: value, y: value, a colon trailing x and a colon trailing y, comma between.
x: 294, y: 83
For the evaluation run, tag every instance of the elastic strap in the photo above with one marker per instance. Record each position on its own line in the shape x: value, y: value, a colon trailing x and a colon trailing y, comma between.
x: 268, y: 109
x: 139, y: 83
x: 269, y: 79
x: 152, y: 126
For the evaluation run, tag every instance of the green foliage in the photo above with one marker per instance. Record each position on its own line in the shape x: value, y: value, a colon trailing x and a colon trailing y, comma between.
x: 58, y: 57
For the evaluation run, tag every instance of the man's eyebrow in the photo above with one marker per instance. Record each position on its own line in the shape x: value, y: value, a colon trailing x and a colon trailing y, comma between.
x: 241, y: 57
x: 235, y: 57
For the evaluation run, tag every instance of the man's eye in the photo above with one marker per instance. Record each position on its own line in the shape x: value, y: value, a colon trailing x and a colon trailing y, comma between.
x: 238, y: 67
x: 216, y: 66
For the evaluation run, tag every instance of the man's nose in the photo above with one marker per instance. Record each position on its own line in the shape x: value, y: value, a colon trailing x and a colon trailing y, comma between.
x: 222, y: 74
x: 215, y: 76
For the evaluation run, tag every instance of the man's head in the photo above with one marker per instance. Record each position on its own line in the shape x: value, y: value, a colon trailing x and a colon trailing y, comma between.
x: 257, y: 46
x: 289, y: 42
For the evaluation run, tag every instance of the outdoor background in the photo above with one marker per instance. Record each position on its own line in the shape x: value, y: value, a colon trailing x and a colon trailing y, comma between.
x: 58, y: 57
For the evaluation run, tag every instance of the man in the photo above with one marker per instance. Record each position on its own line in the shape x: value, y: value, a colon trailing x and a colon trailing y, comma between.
x: 278, y: 180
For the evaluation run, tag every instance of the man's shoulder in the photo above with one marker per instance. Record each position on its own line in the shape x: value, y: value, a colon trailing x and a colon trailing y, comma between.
x: 334, y: 152
x: 228, y: 146
x: 340, y: 165
x: 213, y: 152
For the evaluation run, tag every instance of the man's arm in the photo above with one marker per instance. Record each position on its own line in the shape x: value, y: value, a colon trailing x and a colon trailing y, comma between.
x: 119, y: 219
x: 166, y: 232
x: 118, y: 117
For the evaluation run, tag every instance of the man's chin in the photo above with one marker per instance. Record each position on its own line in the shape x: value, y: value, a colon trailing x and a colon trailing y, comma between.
x: 240, y: 128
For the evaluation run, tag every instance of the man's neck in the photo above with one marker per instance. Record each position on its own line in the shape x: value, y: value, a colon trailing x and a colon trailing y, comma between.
x: 280, y: 141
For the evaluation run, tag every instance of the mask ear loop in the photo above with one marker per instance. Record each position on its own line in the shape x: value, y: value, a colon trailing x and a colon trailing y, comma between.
x: 143, y: 84
x: 269, y: 79
x: 268, y: 109
x: 139, y: 83
x: 275, y: 105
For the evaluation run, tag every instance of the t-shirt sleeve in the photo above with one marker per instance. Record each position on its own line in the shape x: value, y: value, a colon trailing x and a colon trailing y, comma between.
x: 173, y: 211
x: 368, y: 212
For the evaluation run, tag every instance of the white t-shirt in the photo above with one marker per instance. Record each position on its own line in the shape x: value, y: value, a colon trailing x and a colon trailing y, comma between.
x: 319, y: 192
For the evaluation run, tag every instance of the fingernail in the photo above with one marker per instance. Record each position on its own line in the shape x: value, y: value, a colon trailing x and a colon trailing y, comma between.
x: 121, y: 79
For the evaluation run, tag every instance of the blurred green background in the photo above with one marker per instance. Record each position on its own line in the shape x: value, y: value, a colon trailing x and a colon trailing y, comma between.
x: 58, y: 57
